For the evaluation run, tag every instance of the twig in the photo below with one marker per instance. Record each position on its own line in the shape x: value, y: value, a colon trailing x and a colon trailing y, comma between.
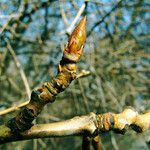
x: 13, y: 108
x: 70, y: 28
x: 96, y: 142
x: 83, y: 73
x: 22, y: 73
x: 63, y: 13
x: 104, y: 17
x: 12, y: 16
x: 114, y: 143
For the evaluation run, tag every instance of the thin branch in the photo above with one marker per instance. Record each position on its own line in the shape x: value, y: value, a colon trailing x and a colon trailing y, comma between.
x: 96, y: 142
x: 114, y: 143
x: 13, y: 108
x: 104, y: 17
x: 63, y: 13
x: 70, y: 28
x: 88, y: 140
x: 82, y: 74
x: 22, y: 73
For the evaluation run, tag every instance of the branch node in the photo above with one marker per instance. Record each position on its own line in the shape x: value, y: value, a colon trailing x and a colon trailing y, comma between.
x: 21, y: 123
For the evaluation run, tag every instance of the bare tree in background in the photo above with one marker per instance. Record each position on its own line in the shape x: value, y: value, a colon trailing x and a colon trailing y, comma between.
x: 32, y: 38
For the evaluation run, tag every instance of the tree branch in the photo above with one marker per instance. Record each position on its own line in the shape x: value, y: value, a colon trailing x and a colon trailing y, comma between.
x: 96, y: 142
x: 104, y: 17
x: 70, y: 28
x: 89, y: 125
x: 21, y: 71
x: 11, y: 109
x: 49, y: 90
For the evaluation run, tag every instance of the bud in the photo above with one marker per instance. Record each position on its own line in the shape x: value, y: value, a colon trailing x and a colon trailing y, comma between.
x: 74, y: 48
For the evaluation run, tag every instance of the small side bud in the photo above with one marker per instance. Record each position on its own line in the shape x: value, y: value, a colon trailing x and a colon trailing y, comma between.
x: 74, y: 48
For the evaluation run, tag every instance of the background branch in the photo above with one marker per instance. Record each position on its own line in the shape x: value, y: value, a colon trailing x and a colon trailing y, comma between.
x: 79, y: 13
x: 22, y: 73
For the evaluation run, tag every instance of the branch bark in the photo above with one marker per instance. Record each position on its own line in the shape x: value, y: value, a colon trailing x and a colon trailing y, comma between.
x: 49, y: 90
x: 21, y: 128
x: 90, y: 125
x: 13, y: 108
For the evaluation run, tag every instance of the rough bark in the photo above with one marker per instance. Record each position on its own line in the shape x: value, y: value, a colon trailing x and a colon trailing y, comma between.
x: 89, y: 126
x: 49, y: 90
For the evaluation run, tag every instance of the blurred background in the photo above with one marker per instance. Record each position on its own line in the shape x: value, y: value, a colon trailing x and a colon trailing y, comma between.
x: 32, y: 38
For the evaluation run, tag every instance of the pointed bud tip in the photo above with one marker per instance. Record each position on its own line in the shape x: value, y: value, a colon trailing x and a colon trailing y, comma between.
x: 76, y: 42
x: 83, y: 20
x: 82, y: 23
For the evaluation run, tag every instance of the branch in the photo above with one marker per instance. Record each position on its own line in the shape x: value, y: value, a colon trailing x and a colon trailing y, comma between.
x: 87, y: 141
x: 22, y: 73
x: 90, y: 125
x: 49, y: 90
x: 96, y: 142
x: 104, y: 17
x: 11, y: 109
x: 63, y: 15
x: 70, y: 28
